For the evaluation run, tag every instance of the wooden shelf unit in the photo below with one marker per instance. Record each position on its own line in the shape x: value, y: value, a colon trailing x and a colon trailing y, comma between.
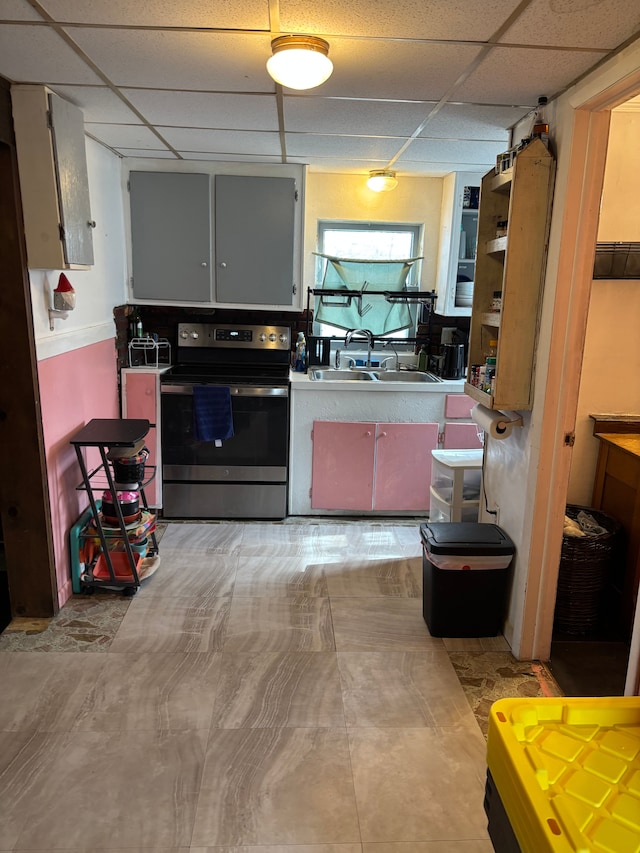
x: 514, y: 265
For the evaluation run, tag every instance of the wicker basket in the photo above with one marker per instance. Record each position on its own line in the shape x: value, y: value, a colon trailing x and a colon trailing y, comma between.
x: 585, y: 566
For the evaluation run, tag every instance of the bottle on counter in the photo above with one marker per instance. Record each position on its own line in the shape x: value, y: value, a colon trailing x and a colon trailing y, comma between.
x: 300, y: 364
x: 422, y: 359
x: 135, y: 324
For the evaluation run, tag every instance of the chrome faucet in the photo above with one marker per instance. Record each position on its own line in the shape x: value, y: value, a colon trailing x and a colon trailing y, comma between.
x: 362, y: 333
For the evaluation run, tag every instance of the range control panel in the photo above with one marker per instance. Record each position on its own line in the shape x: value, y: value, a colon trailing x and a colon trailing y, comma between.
x: 228, y: 336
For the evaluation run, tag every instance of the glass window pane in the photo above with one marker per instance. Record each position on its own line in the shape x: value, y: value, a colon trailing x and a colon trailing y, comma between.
x: 367, y: 241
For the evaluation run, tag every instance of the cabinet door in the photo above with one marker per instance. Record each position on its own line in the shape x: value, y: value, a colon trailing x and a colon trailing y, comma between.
x: 343, y: 463
x: 54, y: 182
x: 254, y: 239
x: 403, y: 466
x: 140, y: 400
x: 73, y: 181
x: 171, y: 236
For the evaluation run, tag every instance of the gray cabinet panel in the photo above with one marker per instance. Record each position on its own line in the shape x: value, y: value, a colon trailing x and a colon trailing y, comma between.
x: 171, y: 236
x: 254, y: 239
x: 67, y: 128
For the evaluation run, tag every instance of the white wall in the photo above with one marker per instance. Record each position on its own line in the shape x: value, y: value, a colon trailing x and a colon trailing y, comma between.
x: 610, y: 380
x: 99, y: 289
x: 346, y: 197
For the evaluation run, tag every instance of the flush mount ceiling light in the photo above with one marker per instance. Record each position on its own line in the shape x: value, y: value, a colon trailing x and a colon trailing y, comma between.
x: 299, y: 62
x: 382, y: 180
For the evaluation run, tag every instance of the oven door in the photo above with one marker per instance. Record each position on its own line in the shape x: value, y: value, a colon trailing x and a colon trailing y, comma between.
x: 245, y: 477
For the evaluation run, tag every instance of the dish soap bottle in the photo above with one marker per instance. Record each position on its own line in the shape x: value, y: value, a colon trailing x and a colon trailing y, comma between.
x: 301, y: 354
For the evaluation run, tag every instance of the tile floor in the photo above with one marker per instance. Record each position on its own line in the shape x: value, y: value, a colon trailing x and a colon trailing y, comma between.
x: 273, y: 688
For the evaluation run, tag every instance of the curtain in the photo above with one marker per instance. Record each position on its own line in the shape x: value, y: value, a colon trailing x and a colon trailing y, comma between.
x: 357, y: 308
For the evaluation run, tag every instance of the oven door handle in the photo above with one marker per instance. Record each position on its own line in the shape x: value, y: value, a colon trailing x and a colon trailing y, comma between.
x: 236, y: 390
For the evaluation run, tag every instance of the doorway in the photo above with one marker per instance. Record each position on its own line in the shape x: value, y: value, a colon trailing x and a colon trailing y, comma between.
x: 590, y: 656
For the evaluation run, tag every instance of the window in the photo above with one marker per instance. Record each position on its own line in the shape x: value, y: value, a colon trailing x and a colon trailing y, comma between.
x: 372, y: 241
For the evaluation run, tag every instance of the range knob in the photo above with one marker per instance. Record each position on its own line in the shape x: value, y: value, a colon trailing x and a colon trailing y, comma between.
x: 195, y: 336
x: 184, y: 334
x: 273, y: 337
x: 262, y: 338
x: 283, y: 339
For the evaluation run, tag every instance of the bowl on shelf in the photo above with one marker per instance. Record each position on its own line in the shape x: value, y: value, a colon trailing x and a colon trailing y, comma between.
x: 129, y: 503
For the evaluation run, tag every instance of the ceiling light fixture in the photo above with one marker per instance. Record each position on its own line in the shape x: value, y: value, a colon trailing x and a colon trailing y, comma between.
x: 382, y: 180
x: 299, y: 62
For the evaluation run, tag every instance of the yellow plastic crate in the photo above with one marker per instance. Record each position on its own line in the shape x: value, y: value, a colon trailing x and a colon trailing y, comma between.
x: 568, y: 772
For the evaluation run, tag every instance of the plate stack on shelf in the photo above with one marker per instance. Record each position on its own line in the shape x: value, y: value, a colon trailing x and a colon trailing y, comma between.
x: 464, y: 294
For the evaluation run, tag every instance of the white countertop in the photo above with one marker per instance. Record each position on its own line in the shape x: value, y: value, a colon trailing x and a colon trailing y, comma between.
x: 302, y: 382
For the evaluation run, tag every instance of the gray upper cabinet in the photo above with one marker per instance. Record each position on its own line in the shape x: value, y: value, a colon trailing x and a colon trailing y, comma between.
x: 171, y: 236
x: 54, y: 184
x: 254, y: 239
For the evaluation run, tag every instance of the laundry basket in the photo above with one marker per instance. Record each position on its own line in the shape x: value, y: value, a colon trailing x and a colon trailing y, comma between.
x: 586, y: 564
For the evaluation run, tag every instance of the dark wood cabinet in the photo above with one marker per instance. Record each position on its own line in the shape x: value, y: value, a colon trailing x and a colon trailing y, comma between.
x: 616, y: 491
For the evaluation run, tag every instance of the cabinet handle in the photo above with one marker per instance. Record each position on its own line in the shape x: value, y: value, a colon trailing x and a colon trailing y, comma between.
x: 383, y: 435
x: 91, y: 223
x: 148, y: 392
x: 203, y: 264
x: 223, y: 265
x: 368, y: 433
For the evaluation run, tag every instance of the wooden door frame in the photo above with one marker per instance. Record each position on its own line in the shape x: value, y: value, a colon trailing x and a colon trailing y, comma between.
x: 24, y: 490
x: 576, y: 240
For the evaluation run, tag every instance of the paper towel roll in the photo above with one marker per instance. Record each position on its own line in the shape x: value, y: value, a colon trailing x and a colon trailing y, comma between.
x: 496, y: 424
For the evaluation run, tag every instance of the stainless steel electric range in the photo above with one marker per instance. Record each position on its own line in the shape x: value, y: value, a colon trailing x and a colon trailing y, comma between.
x: 244, y: 476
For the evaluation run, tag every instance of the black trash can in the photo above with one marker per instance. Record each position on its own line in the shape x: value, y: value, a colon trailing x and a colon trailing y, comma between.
x: 465, y: 576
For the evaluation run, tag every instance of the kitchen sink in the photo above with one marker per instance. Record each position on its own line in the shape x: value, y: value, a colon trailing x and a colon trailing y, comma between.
x: 405, y: 376
x: 329, y: 374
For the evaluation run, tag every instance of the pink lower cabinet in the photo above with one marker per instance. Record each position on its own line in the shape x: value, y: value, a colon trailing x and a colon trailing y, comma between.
x: 372, y: 466
x: 141, y: 399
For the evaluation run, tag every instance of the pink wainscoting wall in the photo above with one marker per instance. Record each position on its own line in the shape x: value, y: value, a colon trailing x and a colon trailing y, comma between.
x: 75, y: 387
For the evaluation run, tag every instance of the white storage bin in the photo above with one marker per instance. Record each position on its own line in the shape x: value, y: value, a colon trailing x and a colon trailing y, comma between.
x: 440, y: 510
x: 457, y: 474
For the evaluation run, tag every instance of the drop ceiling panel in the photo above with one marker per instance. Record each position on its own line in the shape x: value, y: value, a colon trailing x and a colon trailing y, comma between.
x: 178, y: 60
x: 18, y: 10
x: 369, y: 118
x: 303, y: 145
x: 469, y: 121
x: 31, y: 54
x: 519, y: 75
x: 123, y: 135
x: 222, y: 141
x: 164, y: 154
x: 339, y: 165
x: 433, y: 151
x: 566, y: 24
x: 235, y: 158
x: 227, y: 14
x: 204, y: 109
x: 464, y: 20
x: 443, y: 167
x: 395, y: 70
x: 98, y: 103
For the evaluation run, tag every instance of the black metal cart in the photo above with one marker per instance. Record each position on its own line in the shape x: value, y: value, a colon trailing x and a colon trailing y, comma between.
x: 105, y: 434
